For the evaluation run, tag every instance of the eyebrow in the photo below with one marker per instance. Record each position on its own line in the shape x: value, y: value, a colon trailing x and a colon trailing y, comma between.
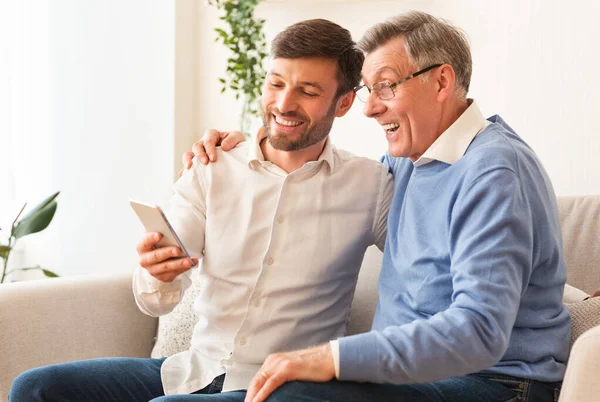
x: 304, y: 83
x: 382, y: 70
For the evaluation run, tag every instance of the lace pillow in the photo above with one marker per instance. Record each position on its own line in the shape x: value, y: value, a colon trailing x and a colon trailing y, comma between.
x: 175, y: 329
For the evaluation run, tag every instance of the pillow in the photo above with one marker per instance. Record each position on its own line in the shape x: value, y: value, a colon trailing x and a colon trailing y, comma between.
x: 584, y: 315
x: 175, y: 329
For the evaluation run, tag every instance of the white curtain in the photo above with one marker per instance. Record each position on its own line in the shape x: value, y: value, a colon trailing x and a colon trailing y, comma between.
x: 24, y: 108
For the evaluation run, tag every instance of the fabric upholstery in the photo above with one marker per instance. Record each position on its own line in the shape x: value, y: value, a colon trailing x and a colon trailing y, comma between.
x: 580, y: 221
x: 56, y: 320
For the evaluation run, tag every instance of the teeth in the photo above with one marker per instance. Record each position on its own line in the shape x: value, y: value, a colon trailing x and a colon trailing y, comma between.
x: 288, y: 123
x: 390, y: 126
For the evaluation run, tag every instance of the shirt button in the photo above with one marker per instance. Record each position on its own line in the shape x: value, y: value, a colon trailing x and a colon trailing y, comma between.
x: 256, y: 302
x: 270, y: 261
x: 242, y: 341
x: 280, y: 219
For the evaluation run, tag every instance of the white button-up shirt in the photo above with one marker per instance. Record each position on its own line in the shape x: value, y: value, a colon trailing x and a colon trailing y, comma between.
x: 280, y: 255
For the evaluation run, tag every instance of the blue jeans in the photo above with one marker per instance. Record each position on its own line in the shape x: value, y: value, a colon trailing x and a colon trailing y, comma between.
x: 127, y: 379
x: 471, y: 388
x: 110, y: 380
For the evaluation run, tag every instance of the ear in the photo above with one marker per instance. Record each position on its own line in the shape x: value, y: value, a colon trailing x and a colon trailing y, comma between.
x: 446, y: 82
x: 344, y: 103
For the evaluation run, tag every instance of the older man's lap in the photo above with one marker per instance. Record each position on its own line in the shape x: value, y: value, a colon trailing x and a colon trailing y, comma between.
x: 472, y: 388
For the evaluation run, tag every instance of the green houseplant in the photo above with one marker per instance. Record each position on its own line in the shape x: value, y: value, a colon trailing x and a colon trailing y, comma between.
x: 244, y: 38
x: 35, y: 221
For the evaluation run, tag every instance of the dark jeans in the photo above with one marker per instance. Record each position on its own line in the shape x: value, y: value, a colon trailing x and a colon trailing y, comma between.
x: 471, y: 388
x: 126, y: 379
x: 106, y: 380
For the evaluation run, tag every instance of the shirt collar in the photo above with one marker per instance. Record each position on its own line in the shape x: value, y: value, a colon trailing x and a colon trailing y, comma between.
x: 255, y: 154
x: 453, y: 143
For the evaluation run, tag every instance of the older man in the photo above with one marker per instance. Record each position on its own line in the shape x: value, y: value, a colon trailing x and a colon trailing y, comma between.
x: 470, y: 293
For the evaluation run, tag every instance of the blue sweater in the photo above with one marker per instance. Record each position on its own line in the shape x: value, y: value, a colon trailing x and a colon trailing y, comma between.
x: 473, y: 271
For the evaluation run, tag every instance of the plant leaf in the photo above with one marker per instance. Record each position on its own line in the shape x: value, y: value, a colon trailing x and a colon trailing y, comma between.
x: 4, y: 251
x: 36, y: 222
x: 49, y: 274
x: 41, y: 205
x: 46, y: 272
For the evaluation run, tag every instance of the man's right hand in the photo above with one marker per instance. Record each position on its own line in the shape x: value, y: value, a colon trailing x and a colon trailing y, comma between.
x: 161, y: 262
x: 206, y: 148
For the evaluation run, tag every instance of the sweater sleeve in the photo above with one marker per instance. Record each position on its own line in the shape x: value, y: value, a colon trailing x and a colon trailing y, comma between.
x: 490, y: 242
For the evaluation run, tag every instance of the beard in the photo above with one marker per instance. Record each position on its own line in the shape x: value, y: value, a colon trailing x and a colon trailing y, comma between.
x: 312, y: 134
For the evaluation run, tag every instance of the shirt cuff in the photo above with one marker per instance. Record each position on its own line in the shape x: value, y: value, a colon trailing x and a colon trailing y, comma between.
x: 335, y: 352
x: 151, y: 284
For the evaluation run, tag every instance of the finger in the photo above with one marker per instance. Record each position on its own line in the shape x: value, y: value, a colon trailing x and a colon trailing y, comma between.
x: 186, y: 159
x: 170, y: 269
x: 158, y: 255
x: 269, y: 386
x: 200, y: 152
x: 231, y: 140
x: 149, y: 240
x: 212, y: 138
x: 181, y: 171
x: 255, y: 385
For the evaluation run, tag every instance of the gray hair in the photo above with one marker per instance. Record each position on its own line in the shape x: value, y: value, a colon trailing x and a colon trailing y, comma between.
x: 427, y: 40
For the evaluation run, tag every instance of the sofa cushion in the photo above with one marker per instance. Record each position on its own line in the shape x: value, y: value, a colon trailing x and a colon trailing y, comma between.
x: 580, y: 222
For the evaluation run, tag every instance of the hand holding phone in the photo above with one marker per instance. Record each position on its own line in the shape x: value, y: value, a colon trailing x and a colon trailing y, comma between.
x: 154, y: 220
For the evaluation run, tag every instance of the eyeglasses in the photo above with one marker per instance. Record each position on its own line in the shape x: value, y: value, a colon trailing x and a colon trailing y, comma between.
x: 384, y: 90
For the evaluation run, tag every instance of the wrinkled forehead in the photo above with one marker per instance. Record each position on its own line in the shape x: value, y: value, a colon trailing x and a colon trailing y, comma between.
x: 387, y: 61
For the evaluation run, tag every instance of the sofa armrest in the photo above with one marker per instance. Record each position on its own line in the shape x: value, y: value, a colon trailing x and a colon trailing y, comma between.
x: 71, y: 318
x: 581, y: 379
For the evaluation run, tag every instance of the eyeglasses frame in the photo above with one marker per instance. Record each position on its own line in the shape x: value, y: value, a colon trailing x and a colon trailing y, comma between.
x: 395, y: 84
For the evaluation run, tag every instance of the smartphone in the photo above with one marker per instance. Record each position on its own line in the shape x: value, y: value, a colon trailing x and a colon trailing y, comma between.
x: 154, y: 220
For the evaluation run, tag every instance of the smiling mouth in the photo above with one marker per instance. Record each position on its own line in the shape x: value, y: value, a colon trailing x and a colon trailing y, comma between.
x: 391, y: 127
x: 287, y: 123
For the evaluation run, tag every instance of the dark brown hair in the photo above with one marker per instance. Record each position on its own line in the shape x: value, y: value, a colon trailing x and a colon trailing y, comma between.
x: 322, y: 38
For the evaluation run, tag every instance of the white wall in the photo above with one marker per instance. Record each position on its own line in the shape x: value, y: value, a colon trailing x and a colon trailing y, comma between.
x: 133, y: 82
x: 111, y: 131
x: 535, y: 64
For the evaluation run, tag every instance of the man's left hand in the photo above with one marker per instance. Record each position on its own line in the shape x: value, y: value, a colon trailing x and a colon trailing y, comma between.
x: 313, y: 364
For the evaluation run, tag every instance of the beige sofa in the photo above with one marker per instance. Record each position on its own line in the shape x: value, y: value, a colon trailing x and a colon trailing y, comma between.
x: 72, y: 318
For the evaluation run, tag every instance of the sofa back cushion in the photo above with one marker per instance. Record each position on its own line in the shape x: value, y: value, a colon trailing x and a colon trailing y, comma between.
x: 580, y: 221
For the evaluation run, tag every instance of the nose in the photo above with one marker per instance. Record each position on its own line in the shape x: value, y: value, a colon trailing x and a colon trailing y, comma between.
x: 373, y: 106
x: 286, y: 101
